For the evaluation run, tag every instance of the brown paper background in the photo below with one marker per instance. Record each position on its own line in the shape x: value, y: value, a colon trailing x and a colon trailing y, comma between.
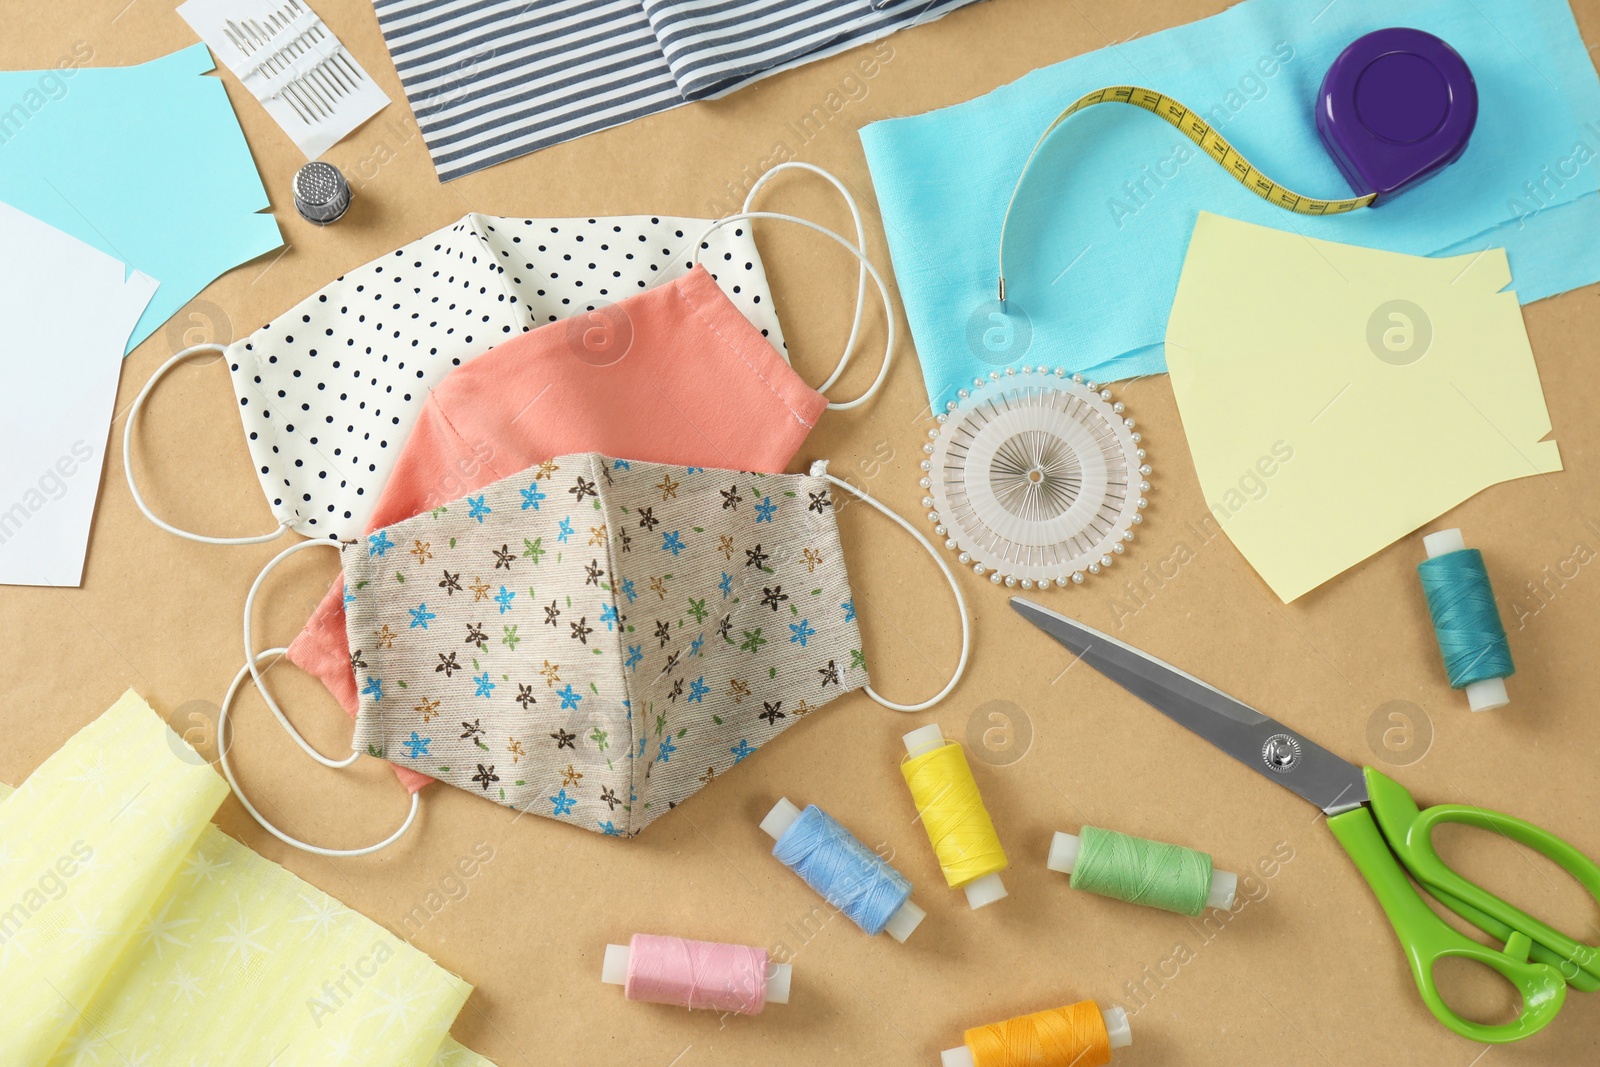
x: 1308, y: 973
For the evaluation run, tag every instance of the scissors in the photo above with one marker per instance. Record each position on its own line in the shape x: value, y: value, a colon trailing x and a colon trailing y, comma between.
x: 1380, y: 826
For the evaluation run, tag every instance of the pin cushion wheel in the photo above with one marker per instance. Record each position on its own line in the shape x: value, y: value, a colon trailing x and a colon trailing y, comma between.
x: 1035, y: 478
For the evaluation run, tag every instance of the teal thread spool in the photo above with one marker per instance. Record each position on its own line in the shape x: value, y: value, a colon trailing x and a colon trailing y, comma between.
x: 1472, y: 642
x: 1141, y: 871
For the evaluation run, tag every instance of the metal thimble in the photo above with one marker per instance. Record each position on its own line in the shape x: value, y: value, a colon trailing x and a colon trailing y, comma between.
x: 321, y: 194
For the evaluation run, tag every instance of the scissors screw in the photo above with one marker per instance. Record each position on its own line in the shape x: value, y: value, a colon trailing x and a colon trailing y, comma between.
x: 1281, y: 752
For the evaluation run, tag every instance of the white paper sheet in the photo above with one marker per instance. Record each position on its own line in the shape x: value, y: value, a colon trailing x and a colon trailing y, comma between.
x: 66, y: 310
x: 291, y: 62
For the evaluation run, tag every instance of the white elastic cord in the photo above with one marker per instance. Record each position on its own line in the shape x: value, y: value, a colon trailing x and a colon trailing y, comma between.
x: 883, y: 290
x: 127, y: 459
x: 227, y: 771
x: 861, y: 242
x: 821, y: 470
x: 250, y: 657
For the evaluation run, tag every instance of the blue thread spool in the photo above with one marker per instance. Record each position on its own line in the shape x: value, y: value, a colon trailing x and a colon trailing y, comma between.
x: 1477, y: 657
x: 848, y: 875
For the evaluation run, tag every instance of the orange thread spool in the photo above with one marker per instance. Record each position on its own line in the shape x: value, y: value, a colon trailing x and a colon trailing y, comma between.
x: 1073, y: 1036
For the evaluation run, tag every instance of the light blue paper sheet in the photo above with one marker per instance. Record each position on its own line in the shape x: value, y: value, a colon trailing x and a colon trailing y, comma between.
x: 146, y: 163
x: 1097, y: 240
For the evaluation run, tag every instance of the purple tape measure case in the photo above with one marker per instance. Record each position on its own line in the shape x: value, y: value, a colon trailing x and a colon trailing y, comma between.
x: 1396, y: 108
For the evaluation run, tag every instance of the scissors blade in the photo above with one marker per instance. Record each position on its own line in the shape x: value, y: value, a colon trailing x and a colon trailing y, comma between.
x: 1256, y: 740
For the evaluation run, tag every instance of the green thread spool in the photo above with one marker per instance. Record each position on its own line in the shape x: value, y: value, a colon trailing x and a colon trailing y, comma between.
x: 1141, y: 871
x: 1466, y: 623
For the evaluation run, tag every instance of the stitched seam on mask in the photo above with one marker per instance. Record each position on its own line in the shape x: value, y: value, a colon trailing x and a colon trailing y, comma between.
x: 597, y: 462
x: 461, y: 439
x: 761, y: 284
x: 359, y: 610
x: 517, y: 306
x: 738, y: 350
x: 744, y: 243
x: 685, y: 255
x: 833, y: 534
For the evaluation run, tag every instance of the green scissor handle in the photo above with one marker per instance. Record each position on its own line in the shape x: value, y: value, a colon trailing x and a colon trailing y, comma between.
x: 1557, y: 959
x: 1410, y: 834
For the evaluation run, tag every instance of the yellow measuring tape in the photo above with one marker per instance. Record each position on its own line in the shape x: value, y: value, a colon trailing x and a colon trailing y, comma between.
x: 1200, y: 132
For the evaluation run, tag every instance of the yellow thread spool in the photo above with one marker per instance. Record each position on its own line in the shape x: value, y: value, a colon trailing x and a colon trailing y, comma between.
x: 958, y: 825
x: 1078, y: 1035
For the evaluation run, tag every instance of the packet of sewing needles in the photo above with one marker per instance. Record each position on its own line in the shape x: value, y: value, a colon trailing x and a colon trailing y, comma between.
x: 281, y: 51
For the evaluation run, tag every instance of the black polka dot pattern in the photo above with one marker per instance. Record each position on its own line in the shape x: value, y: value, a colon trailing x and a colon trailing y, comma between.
x: 328, y: 391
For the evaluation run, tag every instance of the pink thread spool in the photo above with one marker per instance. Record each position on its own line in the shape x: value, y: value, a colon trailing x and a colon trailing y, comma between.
x: 696, y: 974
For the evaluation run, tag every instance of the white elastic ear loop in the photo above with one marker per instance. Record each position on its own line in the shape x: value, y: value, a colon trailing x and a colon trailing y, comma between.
x: 227, y: 771
x: 861, y: 242
x: 883, y: 290
x: 250, y: 657
x: 127, y: 459
x: 820, y: 469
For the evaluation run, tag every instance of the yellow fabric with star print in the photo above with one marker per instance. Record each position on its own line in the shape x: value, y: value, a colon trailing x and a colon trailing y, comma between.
x: 133, y: 932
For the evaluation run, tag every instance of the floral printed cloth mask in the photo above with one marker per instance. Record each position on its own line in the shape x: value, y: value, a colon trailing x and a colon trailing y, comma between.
x: 595, y: 640
x: 329, y: 391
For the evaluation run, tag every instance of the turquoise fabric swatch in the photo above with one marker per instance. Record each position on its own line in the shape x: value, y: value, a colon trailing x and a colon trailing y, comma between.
x: 146, y: 163
x: 1097, y: 240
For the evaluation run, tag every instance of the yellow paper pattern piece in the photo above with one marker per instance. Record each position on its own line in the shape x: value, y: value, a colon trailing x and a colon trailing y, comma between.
x: 132, y: 931
x: 1336, y: 398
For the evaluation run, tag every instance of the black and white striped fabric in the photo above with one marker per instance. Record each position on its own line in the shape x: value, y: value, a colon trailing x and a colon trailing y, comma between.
x: 713, y: 45
x: 490, y: 80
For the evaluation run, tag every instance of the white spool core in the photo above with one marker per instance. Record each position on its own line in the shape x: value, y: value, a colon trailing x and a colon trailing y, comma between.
x: 1224, y: 884
x: 903, y: 922
x: 923, y: 739
x: 1117, y: 1026
x: 900, y: 924
x: 985, y: 890
x: 1117, y: 1029
x: 1490, y: 693
x: 778, y: 983
x: 1064, y: 857
x: 989, y: 888
x: 1063, y: 853
x: 614, y: 969
x: 1444, y: 542
x: 780, y: 818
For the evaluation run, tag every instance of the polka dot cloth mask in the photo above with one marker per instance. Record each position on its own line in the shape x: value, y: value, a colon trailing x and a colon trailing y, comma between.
x: 595, y: 640
x: 328, y: 391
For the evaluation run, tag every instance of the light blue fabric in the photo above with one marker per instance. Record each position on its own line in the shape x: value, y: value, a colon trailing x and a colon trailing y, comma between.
x: 1096, y: 280
x: 146, y: 163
